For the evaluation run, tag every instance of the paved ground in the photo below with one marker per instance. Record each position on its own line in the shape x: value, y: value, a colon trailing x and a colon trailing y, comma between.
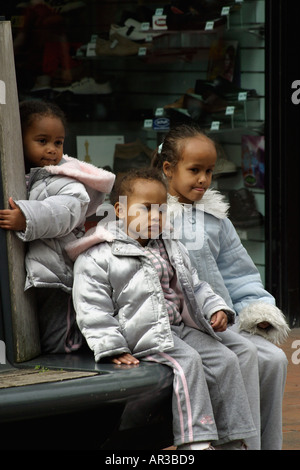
x: 291, y: 401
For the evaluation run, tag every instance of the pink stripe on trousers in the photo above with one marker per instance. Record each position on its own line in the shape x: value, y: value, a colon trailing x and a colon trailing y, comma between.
x: 180, y: 371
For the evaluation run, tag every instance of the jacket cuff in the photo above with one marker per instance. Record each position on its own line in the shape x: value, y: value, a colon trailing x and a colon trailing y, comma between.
x: 257, y: 312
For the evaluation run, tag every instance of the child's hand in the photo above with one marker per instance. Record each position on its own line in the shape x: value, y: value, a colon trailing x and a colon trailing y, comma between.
x: 12, y: 219
x: 125, y: 358
x: 218, y: 321
x: 263, y: 324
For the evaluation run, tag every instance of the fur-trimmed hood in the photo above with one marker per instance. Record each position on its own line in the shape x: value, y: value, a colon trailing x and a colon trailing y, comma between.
x: 213, y: 202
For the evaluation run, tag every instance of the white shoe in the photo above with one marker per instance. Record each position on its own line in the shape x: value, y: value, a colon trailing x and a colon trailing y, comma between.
x: 232, y: 445
x: 132, y: 30
x: 87, y: 86
x: 196, y: 446
x: 224, y: 167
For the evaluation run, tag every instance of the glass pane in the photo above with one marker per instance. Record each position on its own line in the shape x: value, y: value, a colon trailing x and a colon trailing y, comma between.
x: 124, y: 72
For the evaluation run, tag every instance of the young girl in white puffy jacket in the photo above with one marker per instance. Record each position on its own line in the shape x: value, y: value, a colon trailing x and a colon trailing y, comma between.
x: 62, y: 192
x: 187, y: 158
x: 137, y: 298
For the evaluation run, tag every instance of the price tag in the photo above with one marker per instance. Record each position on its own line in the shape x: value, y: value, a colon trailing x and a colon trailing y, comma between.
x: 159, y: 22
x: 145, y: 26
x: 215, y: 126
x: 159, y: 11
x: 230, y: 110
x: 142, y: 51
x: 159, y: 112
x: 94, y: 37
x: 242, y: 96
x: 239, y: 1
x: 91, y: 49
x: 225, y: 11
x: 209, y: 25
x: 148, y: 123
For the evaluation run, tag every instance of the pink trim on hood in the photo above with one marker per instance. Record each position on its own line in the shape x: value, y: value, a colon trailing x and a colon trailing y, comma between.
x: 96, y: 180
x: 88, y: 174
x: 95, y: 235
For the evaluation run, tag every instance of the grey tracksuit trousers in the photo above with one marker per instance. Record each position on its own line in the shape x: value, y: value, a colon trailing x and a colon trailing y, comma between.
x: 210, y: 402
x: 272, y: 371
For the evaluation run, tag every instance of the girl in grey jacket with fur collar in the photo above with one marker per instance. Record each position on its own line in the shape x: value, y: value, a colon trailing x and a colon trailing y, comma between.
x: 187, y: 159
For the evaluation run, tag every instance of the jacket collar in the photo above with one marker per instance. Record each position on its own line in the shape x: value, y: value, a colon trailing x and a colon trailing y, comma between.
x: 88, y: 174
x: 213, y: 202
x: 112, y: 232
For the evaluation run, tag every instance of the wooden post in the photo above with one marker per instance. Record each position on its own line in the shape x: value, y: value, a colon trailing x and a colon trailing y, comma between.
x: 23, y: 319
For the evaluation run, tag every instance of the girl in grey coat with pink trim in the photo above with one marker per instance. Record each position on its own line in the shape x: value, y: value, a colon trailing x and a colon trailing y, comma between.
x: 62, y: 192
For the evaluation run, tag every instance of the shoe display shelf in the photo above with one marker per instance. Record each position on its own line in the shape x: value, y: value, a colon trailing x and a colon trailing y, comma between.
x: 139, y: 67
x: 244, y: 142
x: 242, y: 117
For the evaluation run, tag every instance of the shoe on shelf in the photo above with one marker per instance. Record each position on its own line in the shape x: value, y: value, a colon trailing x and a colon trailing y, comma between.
x: 211, y: 105
x: 223, y: 88
x: 223, y: 165
x: 42, y: 82
x: 87, y: 86
x: 182, y: 116
x: 131, y: 155
x: 191, y: 16
x: 132, y: 29
x: 117, y: 45
x: 243, y: 212
x: 180, y: 102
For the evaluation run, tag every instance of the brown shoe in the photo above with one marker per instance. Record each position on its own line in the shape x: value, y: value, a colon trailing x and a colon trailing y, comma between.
x: 118, y: 46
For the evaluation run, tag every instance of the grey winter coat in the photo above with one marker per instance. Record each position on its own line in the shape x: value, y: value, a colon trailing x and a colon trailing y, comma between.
x: 119, y: 301
x: 59, y: 200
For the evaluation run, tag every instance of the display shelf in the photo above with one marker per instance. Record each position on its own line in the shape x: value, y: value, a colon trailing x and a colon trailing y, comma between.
x: 164, y: 70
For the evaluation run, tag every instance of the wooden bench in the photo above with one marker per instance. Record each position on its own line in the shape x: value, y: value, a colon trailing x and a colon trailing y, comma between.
x: 62, y: 401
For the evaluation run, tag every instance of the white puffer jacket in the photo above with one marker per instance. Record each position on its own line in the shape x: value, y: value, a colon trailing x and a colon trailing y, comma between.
x: 60, y: 197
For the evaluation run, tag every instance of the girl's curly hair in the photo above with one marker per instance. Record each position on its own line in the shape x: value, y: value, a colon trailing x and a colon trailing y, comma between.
x: 124, y: 185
